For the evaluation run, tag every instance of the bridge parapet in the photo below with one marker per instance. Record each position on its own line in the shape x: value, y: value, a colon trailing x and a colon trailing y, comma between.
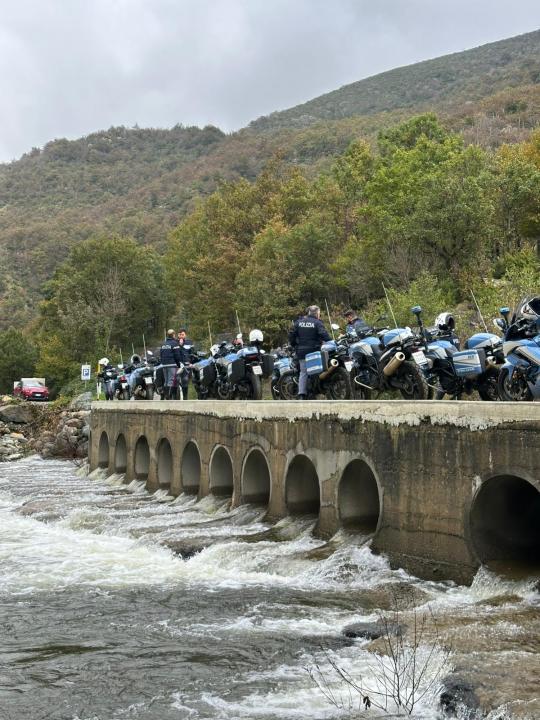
x: 443, y: 486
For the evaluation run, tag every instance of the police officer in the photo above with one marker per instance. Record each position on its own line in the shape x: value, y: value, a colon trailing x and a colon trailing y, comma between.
x: 171, y: 359
x: 307, y: 335
x: 186, y: 349
x: 354, y: 322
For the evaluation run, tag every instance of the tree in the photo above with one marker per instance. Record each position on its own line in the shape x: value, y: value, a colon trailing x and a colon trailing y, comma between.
x: 17, y: 358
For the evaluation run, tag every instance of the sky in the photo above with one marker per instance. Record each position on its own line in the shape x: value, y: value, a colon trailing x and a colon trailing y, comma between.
x: 71, y: 67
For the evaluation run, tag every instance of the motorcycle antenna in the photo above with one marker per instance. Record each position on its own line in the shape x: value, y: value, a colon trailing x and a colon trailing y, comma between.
x: 121, y: 358
x: 210, y: 334
x: 329, y: 319
x: 133, y: 348
x: 389, y: 305
x: 479, y: 311
x: 144, y: 346
x: 238, y: 322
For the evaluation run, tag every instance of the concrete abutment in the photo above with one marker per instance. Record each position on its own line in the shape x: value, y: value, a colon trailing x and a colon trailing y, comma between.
x: 442, y: 487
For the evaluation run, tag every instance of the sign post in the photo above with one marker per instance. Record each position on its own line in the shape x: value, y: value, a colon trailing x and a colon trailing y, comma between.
x: 86, y: 372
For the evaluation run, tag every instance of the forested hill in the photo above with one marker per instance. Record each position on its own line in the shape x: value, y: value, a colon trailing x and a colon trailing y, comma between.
x: 465, y: 76
x: 142, y: 182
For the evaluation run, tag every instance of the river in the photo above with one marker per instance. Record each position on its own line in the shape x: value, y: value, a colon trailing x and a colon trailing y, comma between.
x: 118, y: 604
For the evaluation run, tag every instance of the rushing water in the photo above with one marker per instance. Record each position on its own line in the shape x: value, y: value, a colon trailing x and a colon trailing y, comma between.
x: 120, y: 604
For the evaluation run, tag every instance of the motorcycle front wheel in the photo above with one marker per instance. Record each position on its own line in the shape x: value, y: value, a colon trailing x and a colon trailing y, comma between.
x: 512, y: 389
x: 149, y: 392
x: 338, y: 385
x: 413, y: 382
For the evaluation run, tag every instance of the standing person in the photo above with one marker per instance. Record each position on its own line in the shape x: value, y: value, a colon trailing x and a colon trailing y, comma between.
x: 307, y: 335
x: 186, y: 348
x: 354, y: 322
x: 171, y: 359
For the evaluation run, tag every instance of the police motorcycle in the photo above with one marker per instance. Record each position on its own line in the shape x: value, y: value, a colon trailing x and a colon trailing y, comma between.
x: 145, y: 384
x: 232, y: 373
x: 455, y: 372
x: 108, y: 375
x: 283, y: 361
x: 121, y: 384
x: 390, y: 360
x: 519, y: 378
x: 328, y: 372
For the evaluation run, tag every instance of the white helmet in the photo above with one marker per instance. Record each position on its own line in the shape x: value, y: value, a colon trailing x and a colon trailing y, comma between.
x: 214, y: 350
x: 104, y: 361
x: 445, y: 321
x: 135, y: 359
x: 256, y: 336
x: 529, y: 308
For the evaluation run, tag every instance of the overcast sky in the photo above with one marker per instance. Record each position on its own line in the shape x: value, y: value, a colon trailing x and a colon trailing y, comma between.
x: 70, y: 67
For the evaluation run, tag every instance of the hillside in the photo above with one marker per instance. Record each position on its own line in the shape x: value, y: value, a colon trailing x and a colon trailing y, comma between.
x: 141, y: 182
x: 466, y: 76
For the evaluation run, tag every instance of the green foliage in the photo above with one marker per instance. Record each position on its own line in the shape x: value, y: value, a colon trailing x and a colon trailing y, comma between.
x: 17, y: 358
x: 108, y: 293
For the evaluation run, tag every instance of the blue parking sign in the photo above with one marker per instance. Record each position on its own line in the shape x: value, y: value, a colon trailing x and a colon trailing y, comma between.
x: 85, y: 372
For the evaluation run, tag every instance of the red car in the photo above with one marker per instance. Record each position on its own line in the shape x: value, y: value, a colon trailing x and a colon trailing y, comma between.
x: 31, y: 389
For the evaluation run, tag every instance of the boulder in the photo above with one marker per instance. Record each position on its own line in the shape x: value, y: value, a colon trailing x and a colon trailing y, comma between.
x: 372, y: 630
x: 457, y: 695
x: 16, y: 414
x: 81, y: 402
x: 85, y: 431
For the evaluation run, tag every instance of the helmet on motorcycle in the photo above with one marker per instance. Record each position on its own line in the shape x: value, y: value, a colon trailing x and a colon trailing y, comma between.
x: 104, y: 361
x: 214, y: 350
x: 529, y: 308
x: 445, y: 321
x: 256, y: 336
x: 135, y: 359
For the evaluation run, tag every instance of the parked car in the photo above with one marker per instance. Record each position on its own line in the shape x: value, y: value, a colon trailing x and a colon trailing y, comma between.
x: 31, y: 389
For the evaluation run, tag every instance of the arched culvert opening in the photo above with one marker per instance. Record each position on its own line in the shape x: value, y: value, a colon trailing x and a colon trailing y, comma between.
x: 302, y: 493
x: 221, y: 473
x: 256, y: 478
x: 164, y: 463
x: 120, y: 455
x: 505, y: 521
x: 359, y: 503
x: 103, y: 451
x: 190, y: 470
x: 142, y: 459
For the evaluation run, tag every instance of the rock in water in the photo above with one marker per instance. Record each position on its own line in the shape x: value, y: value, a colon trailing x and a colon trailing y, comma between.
x: 371, y: 630
x: 457, y: 695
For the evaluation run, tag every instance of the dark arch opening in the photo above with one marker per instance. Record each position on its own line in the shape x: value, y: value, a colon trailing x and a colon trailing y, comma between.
x: 120, y: 455
x: 164, y: 463
x: 256, y: 478
x: 505, y: 521
x: 103, y: 451
x: 302, y: 493
x: 142, y: 458
x: 358, y: 498
x: 190, y: 469
x: 221, y: 473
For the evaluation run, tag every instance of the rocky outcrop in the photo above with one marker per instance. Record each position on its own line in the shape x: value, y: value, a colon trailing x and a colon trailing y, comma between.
x: 49, y: 431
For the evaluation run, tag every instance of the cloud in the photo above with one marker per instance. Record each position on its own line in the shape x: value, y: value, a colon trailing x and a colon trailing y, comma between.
x: 70, y: 67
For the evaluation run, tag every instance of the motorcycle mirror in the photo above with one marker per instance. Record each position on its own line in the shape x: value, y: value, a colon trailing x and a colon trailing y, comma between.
x: 504, y: 311
x: 120, y: 366
x: 334, y: 326
x: 498, y: 323
x: 239, y: 336
x: 416, y: 310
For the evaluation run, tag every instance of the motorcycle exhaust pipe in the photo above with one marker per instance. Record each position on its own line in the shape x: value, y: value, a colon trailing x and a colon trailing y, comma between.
x: 333, y: 365
x: 391, y: 367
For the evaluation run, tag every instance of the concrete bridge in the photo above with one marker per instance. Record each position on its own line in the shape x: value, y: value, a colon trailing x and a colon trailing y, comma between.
x: 443, y: 486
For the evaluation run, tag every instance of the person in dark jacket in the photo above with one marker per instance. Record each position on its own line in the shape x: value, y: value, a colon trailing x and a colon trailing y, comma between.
x: 354, y: 322
x: 186, y: 349
x: 307, y: 335
x: 171, y: 359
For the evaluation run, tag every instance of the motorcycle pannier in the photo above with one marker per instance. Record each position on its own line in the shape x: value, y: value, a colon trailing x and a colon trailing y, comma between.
x: 469, y: 363
x: 316, y: 362
x: 205, y: 371
x: 267, y: 363
x: 236, y: 368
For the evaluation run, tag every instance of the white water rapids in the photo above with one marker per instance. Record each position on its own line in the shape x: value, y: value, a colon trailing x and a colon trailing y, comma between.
x: 120, y: 604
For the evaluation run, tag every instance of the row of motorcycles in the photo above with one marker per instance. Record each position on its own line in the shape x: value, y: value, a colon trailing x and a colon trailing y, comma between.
x: 427, y: 363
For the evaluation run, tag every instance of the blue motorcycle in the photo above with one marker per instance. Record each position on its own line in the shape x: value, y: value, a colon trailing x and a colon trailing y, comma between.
x: 454, y: 372
x: 519, y: 378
